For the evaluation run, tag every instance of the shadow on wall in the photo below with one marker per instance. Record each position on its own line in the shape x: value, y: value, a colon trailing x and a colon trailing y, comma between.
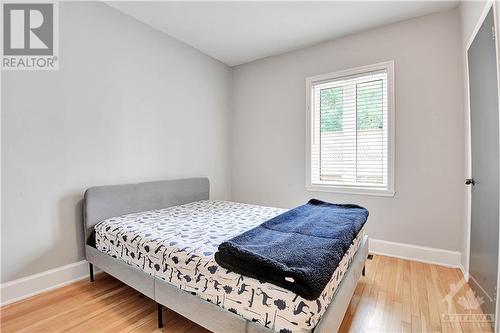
x: 79, y: 228
x: 68, y: 236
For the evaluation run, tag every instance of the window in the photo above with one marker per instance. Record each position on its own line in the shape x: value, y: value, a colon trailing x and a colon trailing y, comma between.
x: 350, y: 131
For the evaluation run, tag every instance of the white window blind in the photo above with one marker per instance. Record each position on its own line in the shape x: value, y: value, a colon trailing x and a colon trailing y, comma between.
x: 350, y: 130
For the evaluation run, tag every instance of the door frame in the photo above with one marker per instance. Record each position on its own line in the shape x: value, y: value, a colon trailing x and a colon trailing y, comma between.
x: 489, y: 4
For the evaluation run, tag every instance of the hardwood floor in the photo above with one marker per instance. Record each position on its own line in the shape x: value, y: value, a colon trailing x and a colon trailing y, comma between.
x: 395, y: 296
x: 406, y: 296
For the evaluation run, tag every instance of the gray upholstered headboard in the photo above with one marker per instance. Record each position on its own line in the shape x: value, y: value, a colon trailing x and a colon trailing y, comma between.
x: 103, y: 202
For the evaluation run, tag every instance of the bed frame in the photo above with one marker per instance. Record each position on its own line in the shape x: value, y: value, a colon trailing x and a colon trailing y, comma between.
x: 109, y: 201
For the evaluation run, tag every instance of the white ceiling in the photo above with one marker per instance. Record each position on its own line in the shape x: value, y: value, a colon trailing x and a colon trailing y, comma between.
x: 239, y: 32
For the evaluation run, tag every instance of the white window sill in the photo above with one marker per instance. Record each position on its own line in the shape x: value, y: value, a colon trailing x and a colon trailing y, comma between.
x: 351, y: 190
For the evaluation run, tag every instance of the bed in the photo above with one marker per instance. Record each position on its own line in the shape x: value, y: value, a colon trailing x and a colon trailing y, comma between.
x: 160, y: 237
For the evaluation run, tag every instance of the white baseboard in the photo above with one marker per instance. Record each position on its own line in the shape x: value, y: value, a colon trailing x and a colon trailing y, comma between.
x: 28, y: 286
x: 417, y: 253
x: 464, y: 273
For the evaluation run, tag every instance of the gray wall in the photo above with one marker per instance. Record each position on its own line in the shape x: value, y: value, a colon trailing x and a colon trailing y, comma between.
x: 128, y: 104
x: 268, y: 148
x: 132, y: 104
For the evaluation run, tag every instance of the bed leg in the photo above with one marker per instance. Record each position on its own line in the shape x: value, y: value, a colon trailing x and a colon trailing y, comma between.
x: 160, y: 315
x: 91, y: 272
x: 363, y: 271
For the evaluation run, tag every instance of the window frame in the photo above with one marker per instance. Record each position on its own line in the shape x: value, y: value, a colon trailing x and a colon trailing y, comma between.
x: 389, y: 191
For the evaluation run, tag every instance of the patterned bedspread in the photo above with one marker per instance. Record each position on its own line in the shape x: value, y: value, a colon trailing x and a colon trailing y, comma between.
x: 177, y: 244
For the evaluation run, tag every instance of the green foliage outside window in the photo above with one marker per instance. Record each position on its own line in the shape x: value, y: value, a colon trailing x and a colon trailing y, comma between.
x: 331, y: 109
x: 369, y: 105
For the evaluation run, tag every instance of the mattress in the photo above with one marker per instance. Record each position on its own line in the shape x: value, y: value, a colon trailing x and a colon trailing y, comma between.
x: 177, y: 244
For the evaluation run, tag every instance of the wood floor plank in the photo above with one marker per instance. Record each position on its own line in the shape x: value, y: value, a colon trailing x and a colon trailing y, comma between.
x: 396, y: 295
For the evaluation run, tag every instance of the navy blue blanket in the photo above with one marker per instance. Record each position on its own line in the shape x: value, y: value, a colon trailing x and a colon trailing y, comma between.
x: 298, y: 250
